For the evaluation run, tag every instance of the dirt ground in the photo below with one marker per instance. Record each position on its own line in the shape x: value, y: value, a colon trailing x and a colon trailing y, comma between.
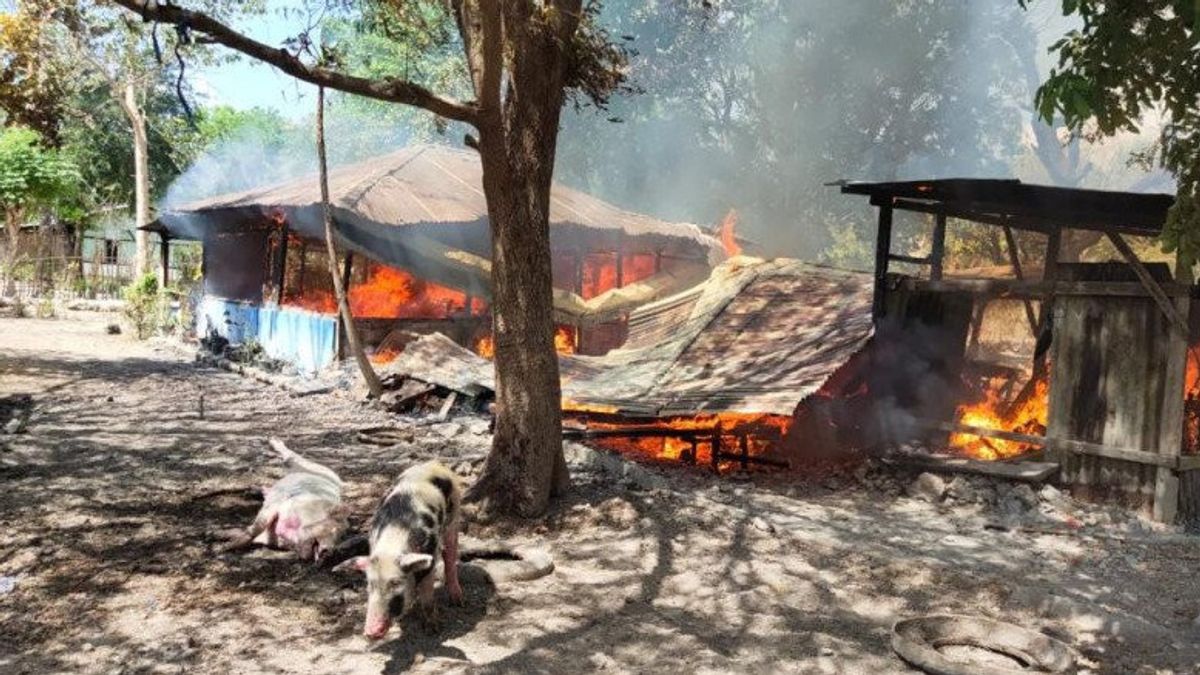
x: 116, y: 495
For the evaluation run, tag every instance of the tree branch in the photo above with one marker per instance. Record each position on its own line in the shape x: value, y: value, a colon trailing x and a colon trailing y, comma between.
x: 393, y: 90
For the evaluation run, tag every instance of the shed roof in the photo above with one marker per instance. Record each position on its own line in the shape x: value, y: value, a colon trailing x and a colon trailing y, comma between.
x: 1032, y: 207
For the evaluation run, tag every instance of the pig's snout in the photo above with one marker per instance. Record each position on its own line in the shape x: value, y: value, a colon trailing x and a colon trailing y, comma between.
x: 376, y: 628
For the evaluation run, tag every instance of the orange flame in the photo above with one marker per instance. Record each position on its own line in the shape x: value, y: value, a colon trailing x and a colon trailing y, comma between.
x: 564, y: 343
x: 389, y: 293
x: 485, y: 346
x: 1191, y: 407
x: 728, y: 234
x: 599, y: 274
x: 762, y: 433
x: 1029, y: 418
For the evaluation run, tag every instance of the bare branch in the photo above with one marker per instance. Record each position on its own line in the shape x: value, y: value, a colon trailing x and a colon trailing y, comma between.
x: 388, y: 89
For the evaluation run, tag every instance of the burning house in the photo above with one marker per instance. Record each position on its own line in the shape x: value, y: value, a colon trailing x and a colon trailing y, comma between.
x: 414, y: 226
x: 1107, y: 393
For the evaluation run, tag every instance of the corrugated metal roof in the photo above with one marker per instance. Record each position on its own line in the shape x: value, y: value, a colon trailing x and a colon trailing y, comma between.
x: 757, y: 337
x: 434, y: 186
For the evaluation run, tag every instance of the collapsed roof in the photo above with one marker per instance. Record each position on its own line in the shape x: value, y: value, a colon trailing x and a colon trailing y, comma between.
x: 757, y: 337
x: 422, y: 208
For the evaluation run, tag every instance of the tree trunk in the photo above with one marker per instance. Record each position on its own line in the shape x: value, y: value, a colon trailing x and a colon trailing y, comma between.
x: 364, y: 365
x: 526, y: 466
x: 141, y: 179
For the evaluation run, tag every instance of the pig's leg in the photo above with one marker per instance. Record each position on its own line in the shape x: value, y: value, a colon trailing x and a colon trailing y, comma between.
x: 263, y: 523
x: 425, y: 604
x: 450, y: 561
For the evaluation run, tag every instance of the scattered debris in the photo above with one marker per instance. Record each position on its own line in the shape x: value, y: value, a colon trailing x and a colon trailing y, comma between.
x: 7, y: 584
x: 113, y: 329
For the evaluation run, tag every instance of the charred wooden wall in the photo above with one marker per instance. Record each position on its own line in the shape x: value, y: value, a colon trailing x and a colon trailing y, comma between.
x: 1116, y: 381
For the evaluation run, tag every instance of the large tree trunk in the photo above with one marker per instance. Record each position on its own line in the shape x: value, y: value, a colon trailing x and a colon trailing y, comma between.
x: 141, y: 179
x: 526, y: 466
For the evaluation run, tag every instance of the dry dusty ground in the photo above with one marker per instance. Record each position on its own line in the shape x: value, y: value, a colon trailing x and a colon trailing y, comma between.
x: 113, y: 498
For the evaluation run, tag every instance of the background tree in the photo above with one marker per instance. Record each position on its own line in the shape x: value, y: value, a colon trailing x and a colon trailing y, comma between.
x: 524, y: 57
x: 1129, y: 63
x: 32, y: 177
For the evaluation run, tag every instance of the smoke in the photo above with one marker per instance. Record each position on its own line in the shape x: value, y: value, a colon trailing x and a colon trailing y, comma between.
x: 757, y: 104
x: 258, y: 148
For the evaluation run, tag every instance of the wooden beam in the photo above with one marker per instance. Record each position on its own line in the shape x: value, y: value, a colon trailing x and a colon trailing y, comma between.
x: 1014, y: 258
x: 347, y: 268
x: 281, y: 276
x: 1077, y: 447
x: 164, y: 249
x: 897, y: 257
x: 883, y: 247
x: 1022, y: 471
x: 1010, y: 288
x: 938, y: 254
x: 1148, y: 281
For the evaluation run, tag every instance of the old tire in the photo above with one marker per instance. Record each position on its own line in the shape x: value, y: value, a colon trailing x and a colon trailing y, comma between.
x: 919, y: 640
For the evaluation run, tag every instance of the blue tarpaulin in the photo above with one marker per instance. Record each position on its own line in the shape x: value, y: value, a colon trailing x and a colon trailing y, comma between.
x: 305, y: 339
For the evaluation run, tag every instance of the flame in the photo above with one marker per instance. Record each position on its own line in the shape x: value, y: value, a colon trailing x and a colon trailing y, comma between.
x: 599, y: 274
x: 637, y: 266
x: 564, y: 343
x: 728, y: 235
x: 393, y: 293
x: 384, y: 355
x: 1191, y: 402
x: 390, y: 293
x: 485, y: 346
x: 1029, y: 418
x: 763, y: 433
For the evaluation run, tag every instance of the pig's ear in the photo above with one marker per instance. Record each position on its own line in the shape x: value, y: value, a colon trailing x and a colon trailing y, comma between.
x: 359, y: 563
x: 411, y: 563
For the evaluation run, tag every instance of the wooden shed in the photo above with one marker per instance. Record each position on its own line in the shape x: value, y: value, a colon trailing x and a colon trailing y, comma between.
x: 1113, y: 337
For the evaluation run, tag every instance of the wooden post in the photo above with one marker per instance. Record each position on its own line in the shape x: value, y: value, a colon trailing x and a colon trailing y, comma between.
x: 883, y: 246
x: 579, y: 255
x: 164, y: 248
x: 938, y: 254
x: 657, y: 262
x: 303, y: 267
x: 1049, y: 272
x: 281, y: 276
x: 716, y: 449
x: 1014, y: 258
x: 343, y: 338
x: 620, y: 253
x: 1166, y: 482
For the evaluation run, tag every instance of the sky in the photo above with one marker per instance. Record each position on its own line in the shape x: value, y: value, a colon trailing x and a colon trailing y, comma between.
x: 247, y: 83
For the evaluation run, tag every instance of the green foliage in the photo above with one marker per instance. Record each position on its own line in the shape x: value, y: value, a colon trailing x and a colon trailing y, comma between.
x: 1130, y: 60
x: 31, y: 175
x: 144, y: 306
